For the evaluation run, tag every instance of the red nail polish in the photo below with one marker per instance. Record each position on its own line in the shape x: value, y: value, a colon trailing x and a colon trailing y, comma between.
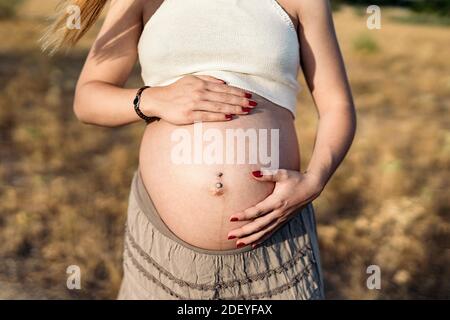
x: 234, y: 219
x: 257, y: 174
x: 240, y: 245
x: 252, y: 103
x: 248, y: 95
x: 228, y: 116
x: 245, y: 109
x: 231, y: 237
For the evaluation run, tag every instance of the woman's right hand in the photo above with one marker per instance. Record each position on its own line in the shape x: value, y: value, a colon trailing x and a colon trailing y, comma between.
x: 196, y: 98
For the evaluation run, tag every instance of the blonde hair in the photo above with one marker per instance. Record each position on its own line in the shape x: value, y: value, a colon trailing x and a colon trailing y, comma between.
x: 58, y: 35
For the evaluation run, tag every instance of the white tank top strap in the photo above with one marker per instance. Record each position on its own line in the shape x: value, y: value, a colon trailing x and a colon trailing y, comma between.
x: 251, y: 44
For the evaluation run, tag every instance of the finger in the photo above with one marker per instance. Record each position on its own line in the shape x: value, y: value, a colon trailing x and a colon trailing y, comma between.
x: 270, y: 175
x: 267, y: 205
x: 211, y: 79
x: 261, y: 240
x: 231, y: 90
x: 283, y: 217
x: 266, y: 232
x: 220, y: 107
x: 254, y: 226
x: 210, y: 116
x: 228, y: 98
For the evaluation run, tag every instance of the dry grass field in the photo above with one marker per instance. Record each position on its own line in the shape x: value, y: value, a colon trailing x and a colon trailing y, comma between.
x: 64, y: 185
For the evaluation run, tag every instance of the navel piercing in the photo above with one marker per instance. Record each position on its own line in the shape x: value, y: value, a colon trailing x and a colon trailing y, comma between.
x: 218, y: 189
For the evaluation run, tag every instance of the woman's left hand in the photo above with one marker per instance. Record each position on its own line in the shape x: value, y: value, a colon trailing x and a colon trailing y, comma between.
x: 292, y: 191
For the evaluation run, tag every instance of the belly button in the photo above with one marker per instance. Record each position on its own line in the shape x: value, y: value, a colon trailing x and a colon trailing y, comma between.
x: 217, y: 189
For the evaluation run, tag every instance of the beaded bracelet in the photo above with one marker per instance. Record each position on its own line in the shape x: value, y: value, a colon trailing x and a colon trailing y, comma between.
x: 137, y: 102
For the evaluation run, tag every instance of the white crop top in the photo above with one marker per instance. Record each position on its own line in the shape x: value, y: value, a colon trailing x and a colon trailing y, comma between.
x: 251, y: 44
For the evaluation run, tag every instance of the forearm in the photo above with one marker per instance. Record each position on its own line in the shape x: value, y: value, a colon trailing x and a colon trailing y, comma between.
x: 334, y: 137
x: 104, y: 104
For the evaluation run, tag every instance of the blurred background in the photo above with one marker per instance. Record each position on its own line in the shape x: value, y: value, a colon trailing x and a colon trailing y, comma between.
x: 64, y: 185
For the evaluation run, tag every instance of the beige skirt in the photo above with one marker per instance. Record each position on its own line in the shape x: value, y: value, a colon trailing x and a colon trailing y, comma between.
x: 159, y: 265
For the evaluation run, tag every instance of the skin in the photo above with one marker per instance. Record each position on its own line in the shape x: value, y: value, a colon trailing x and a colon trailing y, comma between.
x: 324, y: 71
x: 114, y: 53
x: 109, y: 65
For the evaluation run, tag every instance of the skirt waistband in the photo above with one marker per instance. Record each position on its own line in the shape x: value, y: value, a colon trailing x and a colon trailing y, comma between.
x: 158, y: 264
x: 147, y: 206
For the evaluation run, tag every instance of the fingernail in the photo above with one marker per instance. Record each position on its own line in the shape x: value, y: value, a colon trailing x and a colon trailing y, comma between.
x: 231, y: 237
x: 245, y: 109
x: 229, y: 116
x: 252, y: 103
x: 257, y: 174
x: 234, y: 219
x: 240, y: 245
x: 248, y: 95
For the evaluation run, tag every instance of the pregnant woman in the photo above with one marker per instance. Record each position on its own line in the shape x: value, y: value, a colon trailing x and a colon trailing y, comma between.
x: 219, y: 207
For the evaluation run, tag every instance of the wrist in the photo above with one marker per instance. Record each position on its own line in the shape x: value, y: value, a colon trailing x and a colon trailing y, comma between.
x: 317, y: 181
x: 149, y: 105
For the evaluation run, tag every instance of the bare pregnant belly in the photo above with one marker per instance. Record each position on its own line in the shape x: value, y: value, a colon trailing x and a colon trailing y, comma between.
x: 199, y: 175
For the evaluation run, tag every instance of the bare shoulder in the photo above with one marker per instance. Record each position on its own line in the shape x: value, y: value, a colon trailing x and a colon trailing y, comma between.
x: 309, y: 10
x: 149, y: 8
x: 131, y: 9
x: 123, y: 16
